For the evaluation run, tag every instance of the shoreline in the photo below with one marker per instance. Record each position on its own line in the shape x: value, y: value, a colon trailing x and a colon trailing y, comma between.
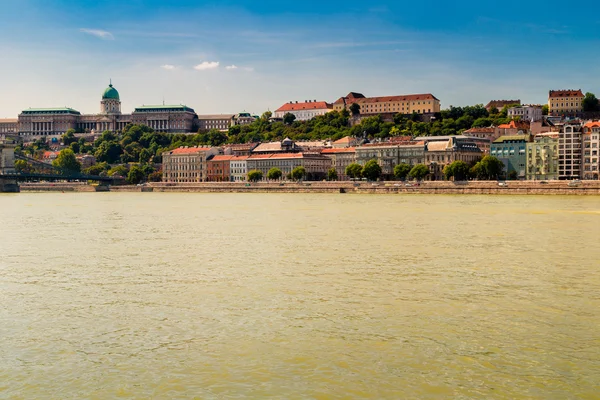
x: 584, y: 188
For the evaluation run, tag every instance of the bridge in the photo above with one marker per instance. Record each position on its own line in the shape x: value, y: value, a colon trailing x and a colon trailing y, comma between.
x: 9, y: 177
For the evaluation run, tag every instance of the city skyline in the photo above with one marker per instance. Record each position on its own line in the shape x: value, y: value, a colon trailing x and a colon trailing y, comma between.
x: 239, y: 56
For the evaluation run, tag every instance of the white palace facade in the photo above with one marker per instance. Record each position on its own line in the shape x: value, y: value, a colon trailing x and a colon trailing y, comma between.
x: 56, y: 121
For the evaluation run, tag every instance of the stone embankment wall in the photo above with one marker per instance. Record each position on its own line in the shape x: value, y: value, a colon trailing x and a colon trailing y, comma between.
x: 473, y: 187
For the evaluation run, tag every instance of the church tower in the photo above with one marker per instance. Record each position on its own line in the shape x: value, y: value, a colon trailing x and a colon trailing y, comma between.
x: 111, y: 103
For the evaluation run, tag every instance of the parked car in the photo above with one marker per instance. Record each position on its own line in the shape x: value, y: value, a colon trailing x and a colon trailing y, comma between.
x: 543, y: 182
x: 502, y: 184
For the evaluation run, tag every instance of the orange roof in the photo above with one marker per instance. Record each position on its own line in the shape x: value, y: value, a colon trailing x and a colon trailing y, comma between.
x: 566, y: 93
x: 221, y: 158
x: 189, y: 150
x: 515, y: 125
x: 313, y: 105
x: 342, y: 150
x: 480, y: 130
x: 281, y: 155
x: 239, y: 158
x: 593, y: 124
x: 385, y: 99
x: 345, y: 139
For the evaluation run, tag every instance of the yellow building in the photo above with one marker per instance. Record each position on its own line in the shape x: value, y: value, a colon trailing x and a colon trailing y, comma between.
x: 542, y: 157
x: 404, y: 104
x: 565, y: 102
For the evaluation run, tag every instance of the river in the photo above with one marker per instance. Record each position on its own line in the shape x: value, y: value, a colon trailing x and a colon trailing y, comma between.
x: 294, y: 296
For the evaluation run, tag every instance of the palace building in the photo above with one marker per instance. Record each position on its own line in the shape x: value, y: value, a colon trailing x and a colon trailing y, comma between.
x: 56, y: 121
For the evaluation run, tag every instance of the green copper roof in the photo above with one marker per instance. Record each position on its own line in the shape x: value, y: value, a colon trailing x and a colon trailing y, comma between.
x: 164, y: 108
x: 60, y: 110
x: 110, y: 93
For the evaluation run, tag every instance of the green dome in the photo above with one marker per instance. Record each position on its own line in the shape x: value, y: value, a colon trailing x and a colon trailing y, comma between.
x: 110, y: 93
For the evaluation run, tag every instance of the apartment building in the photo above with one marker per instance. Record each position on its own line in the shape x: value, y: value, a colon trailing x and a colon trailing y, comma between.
x: 340, y: 159
x: 542, y: 157
x: 591, y: 147
x: 512, y: 151
x: 316, y: 165
x: 304, y: 111
x: 438, y: 154
x: 187, y: 164
x: 569, y: 152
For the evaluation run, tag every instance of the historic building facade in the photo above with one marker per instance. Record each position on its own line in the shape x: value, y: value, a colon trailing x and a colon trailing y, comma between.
x: 542, y: 157
x: 187, y: 164
x: 565, y: 102
x: 591, y: 147
x: 56, y: 121
x: 403, y: 104
x: 303, y: 111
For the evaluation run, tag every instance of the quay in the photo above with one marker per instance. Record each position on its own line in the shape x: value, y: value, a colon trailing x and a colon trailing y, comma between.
x: 345, y: 187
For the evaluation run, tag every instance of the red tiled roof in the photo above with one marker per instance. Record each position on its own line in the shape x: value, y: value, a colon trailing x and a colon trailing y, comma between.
x: 313, y: 105
x: 239, y: 158
x: 480, y: 130
x: 342, y: 150
x: 221, y: 158
x: 386, y: 99
x: 566, y: 93
x: 515, y: 125
x: 345, y: 139
x: 188, y: 150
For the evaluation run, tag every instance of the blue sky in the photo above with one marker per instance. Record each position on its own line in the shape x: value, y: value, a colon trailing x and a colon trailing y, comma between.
x: 230, y: 56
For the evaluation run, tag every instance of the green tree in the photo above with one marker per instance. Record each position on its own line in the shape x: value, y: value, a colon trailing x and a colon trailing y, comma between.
x: 488, y: 168
x: 332, y: 174
x: 96, y: 169
x: 289, y: 118
x: 255, y: 175
x: 266, y: 116
x: 75, y: 147
x: 402, y: 170
x: 419, y: 172
x: 21, y: 166
x: 298, y: 173
x: 69, y: 137
x: 459, y: 170
x: 354, y: 170
x: 545, y: 109
x: 274, y: 174
x: 371, y: 170
x: 590, y: 103
x: 145, y: 156
x: 135, y: 175
x: 355, y: 109
x: 67, y: 162
x: 109, y: 151
x: 155, y: 176
x: 119, y: 170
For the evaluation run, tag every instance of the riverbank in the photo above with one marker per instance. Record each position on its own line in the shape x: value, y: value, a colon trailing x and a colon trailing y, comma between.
x: 472, y: 187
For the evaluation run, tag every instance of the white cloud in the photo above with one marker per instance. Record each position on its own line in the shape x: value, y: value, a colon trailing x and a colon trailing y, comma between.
x: 207, y: 65
x: 231, y: 67
x: 168, y: 67
x: 99, y: 33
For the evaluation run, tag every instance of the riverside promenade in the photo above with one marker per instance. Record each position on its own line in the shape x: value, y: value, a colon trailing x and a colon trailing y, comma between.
x: 392, y: 187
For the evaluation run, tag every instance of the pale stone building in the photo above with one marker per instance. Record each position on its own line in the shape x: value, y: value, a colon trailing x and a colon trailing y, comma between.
x: 239, y: 168
x: 542, y: 157
x: 438, y: 154
x: 591, y: 147
x: 316, y: 165
x: 403, y: 104
x: 388, y: 155
x: 303, y: 111
x: 220, y: 122
x: 9, y: 125
x: 340, y: 159
x: 56, y: 121
x: 569, y: 152
x: 187, y: 164
x: 526, y: 113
